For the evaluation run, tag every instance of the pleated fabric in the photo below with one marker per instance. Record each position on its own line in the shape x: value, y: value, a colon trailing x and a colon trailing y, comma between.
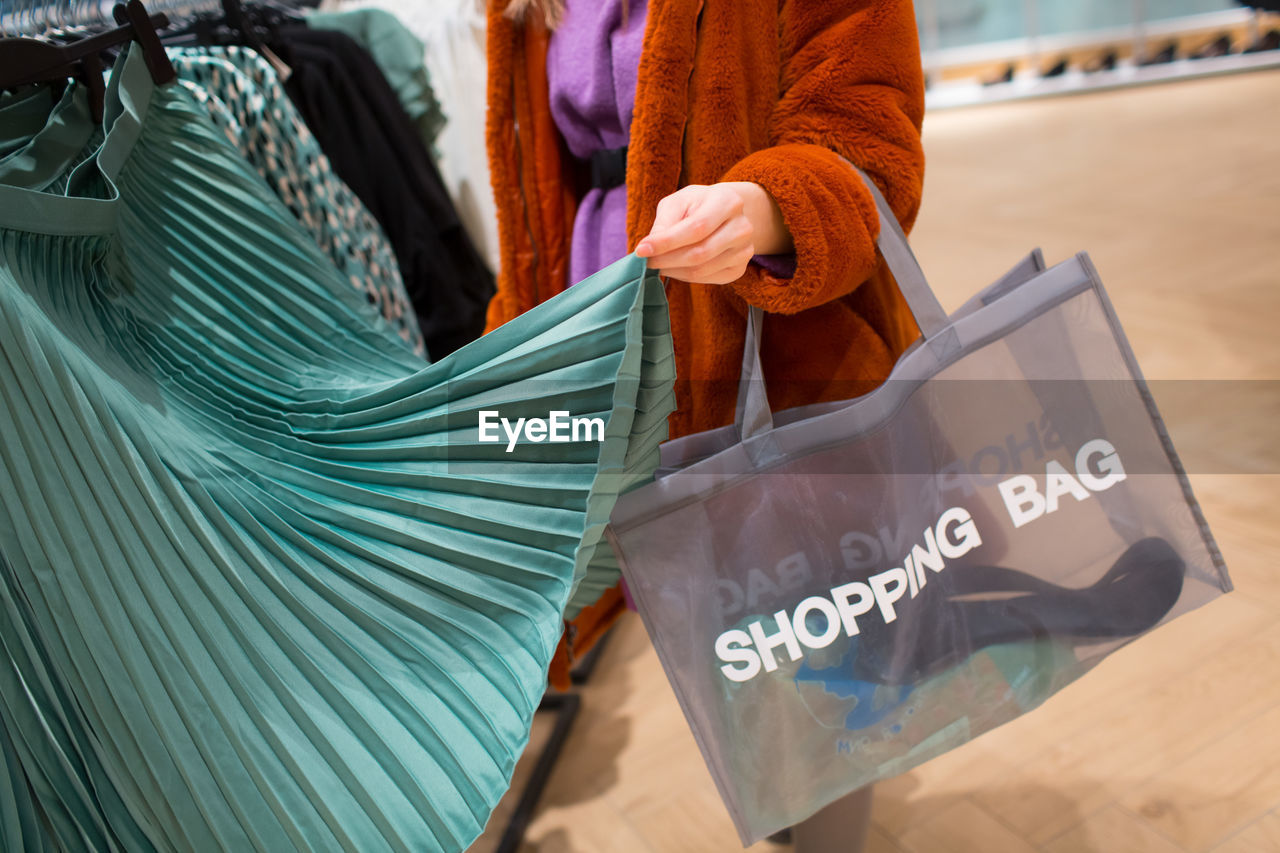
x: 264, y: 587
x: 244, y: 99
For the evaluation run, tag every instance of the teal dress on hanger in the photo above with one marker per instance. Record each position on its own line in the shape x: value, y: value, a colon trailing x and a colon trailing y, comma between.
x: 263, y: 585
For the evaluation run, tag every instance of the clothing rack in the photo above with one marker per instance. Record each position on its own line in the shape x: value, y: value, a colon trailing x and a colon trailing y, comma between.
x: 35, y: 18
x: 44, y: 20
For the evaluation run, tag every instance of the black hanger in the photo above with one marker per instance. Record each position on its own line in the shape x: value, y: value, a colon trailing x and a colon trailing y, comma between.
x: 271, y: 13
x: 198, y: 28
x: 133, y: 15
x: 28, y: 60
x: 238, y: 23
x: 253, y: 25
x: 235, y: 16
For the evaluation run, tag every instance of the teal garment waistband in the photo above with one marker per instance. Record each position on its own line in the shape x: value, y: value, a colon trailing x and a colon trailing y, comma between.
x: 27, y: 172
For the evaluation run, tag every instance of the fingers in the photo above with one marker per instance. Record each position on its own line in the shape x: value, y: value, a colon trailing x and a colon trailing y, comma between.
x: 684, y: 220
x: 701, y: 234
x: 672, y: 209
x: 723, y: 275
x: 733, y: 234
x: 723, y: 268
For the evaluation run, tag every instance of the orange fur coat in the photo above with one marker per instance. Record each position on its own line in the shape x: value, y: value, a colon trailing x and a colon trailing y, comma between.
x: 770, y: 91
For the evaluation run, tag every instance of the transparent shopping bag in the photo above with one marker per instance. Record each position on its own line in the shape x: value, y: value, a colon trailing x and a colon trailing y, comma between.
x: 843, y: 591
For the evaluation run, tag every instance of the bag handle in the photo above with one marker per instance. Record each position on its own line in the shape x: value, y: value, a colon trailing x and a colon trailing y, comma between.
x: 753, y: 416
x: 902, y: 262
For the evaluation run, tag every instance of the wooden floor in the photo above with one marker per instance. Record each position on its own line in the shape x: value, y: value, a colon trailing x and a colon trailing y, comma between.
x: 1172, y: 744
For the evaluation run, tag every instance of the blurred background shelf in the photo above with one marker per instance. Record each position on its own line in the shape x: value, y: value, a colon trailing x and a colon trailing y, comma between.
x: 983, y: 51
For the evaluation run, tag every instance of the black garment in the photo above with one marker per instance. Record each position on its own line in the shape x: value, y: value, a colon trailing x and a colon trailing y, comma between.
x: 371, y: 141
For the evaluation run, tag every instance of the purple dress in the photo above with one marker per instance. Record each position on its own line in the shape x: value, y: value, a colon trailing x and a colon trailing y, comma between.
x: 592, y: 64
x: 592, y: 61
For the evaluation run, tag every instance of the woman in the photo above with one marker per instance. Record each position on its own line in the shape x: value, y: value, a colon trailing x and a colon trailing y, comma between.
x: 738, y: 119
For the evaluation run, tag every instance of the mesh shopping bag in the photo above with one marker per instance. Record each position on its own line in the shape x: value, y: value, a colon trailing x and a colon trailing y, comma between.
x: 842, y: 591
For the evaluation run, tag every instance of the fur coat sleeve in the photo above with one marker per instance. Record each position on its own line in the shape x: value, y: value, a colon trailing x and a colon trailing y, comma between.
x: 852, y: 89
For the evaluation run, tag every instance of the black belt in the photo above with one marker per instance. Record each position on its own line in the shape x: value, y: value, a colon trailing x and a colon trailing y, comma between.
x: 609, y: 168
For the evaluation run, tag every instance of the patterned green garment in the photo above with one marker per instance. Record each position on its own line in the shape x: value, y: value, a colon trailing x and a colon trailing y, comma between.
x: 244, y: 98
x: 263, y: 585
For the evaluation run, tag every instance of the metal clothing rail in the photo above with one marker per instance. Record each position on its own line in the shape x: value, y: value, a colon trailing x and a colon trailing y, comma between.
x: 35, y: 18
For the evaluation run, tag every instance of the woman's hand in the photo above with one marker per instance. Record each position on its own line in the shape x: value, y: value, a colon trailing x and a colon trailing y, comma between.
x: 708, y: 234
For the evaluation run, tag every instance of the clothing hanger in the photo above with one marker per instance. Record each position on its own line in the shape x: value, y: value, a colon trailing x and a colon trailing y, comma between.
x: 145, y: 30
x: 27, y: 60
x: 234, y: 15
x: 237, y: 24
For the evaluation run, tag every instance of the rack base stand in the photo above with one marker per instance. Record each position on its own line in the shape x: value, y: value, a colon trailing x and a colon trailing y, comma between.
x: 565, y: 707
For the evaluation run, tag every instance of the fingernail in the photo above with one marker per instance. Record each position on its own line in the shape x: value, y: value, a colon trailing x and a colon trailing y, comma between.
x: 644, y: 250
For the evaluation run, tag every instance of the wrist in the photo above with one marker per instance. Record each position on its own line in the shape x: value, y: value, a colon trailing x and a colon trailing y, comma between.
x: 770, y: 234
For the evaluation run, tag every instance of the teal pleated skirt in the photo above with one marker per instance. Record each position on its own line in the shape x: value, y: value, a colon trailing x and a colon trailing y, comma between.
x: 263, y: 585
